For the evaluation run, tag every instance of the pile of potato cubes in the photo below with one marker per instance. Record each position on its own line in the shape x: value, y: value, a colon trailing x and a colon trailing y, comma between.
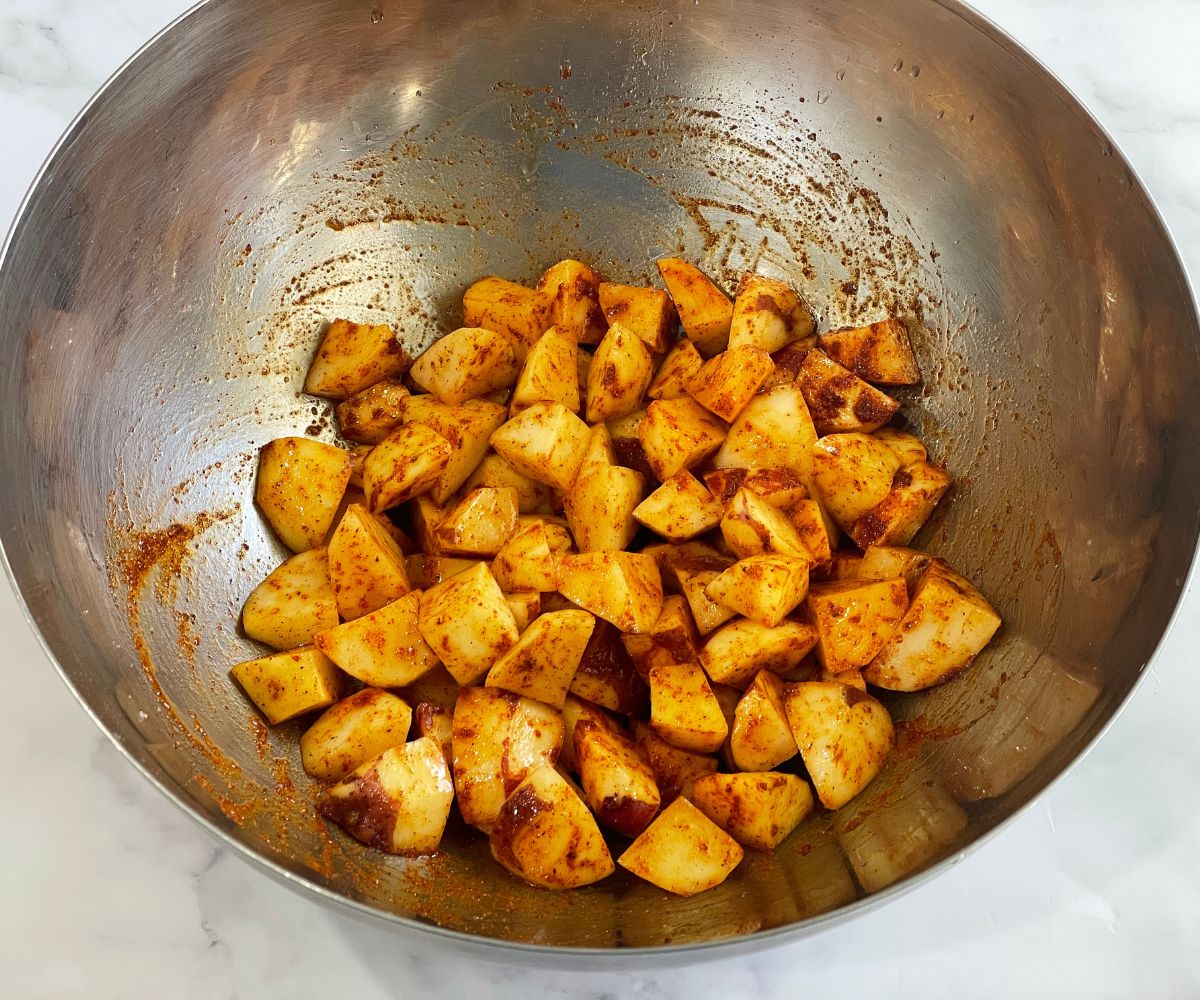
x: 602, y: 567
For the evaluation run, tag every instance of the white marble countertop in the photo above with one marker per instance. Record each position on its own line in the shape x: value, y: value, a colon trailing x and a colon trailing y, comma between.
x: 109, y: 890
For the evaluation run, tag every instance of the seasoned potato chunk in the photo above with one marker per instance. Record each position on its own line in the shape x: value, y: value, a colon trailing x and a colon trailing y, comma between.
x: 647, y: 312
x: 705, y: 311
x: 678, y: 434
x: 844, y: 736
x: 399, y: 802
x: 425, y: 571
x: 574, y: 292
x: 466, y: 363
x: 467, y: 428
x: 839, y: 401
x: 916, y: 491
x: 907, y: 446
x: 623, y: 588
x: 757, y: 810
x: 854, y: 619
x: 546, y: 442
x: 678, y: 368
x: 550, y: 373
x: 532, y: 497
x: 853, y: 472
x: 525, y: 605
x: 369, y: 416
x: 355, y: 730
x: 886, y: 562
x: 682, y: 851
x: 384, y: 648
x: 353, y: 356
x: 299, y: 489
x: 366, y: 566
x: 943, y: 630
x: 679, y: 509
x: 752, y: 527
x: 763, y: 588
x: 774, y: 431
x: 527, y: 560
x: 600, y: 505
x: 407, y: 462
x: 575, y: 710
x: 617, y: 782
x: 693, y: 584
x: 739, y: 650
x: 437, y: 723
x: 683, y: 709
x: 479, y: 524
x: 879, y: 353
x: 545, y: 835
x: 760, y: 738
x: 506, y: 307
x: 778, y: 487
x: 767, y: 314
x: 621, y: 371
x: 606, y: 675
x: 545, y: 658
x: 815, y: 531
x: 293, y: 604
x: 844, y: 566
x: 284, y: 685
x: 467, y: 623
x: 436, y: 687
x: 674, y: 770
x: 729, y: 381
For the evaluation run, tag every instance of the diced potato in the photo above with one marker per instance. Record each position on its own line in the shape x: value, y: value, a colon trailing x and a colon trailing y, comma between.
x: 693, y: 555
x: 574, y: 710
x: 839, y: 401
x: 916, y: 491
x: 545, y: 835
x: 371, y: 415
x: 624, y: 435
x: 600, y: 505
x: 757, y: 810
x: 854, y: 619
x: 467, y: 428
x: 466, y: 363
x: 399, y: 802
x: 366, y: 567
x: 778, y: 487
x: 787, y: 361
x: 425, y: 571
x: 353, y: 356
x: 437, y: 723
x: 943, y: 630
x: 384, y: 648
x: 527, y: 560
x: 705, y: 312
x: 532, y: 497
x: 606, y: 675
x: 693, y: 583
x: 299, y: 488
x: 545, y: 658
x: 499, y: 739
x: 623, y: 588
x: 357, y: 454
x: 678, y: 368
x: 675, y: 630
x: 424, y: 516
x: 752, y: 527
x: 729, y: 381
x: 525, y: 605
x: 844, y: 736
x: 646, y: 653
x: 467, y: 623
x: 583, y: 365
x: 355, y: 730
x: 678, y: 434
x: 675, y: 770
x: 809, y: 520
x: 621, y: 371
x: 506, y: 307
x: 407, y: 462
x: 774, y: 431
x: 285, y: 685
x: 853, y: 472
x: 436, y: 687
x: 679, y: 509
x: 647, y: 313
x: 550, y: 373
x: 843, y: 566
x: 767, y: 314
x: 739, y: 650
x: 545, y: 442
x: 879, y: 353
x: 618, y: 784
x: 479, y: 524
x: 907, y: 446
x: 683, y: 709
x: 293, y: 604
x: 763, y: 588
x: 574, y: 292
x: 599, y: 454
x: 760, y: 738
x: 886, y: 562
x: 682, y: 851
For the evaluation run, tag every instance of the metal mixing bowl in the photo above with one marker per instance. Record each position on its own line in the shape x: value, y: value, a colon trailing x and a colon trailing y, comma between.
x: 265, y: 165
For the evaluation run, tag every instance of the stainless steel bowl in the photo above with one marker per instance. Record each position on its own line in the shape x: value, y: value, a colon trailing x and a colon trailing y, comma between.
x: 265, y: 165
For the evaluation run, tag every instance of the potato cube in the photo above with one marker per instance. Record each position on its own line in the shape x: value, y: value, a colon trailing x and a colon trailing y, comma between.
x: 525, y: 605
x: 353, y: 356
x: 767, y: 314
x: 678, y: 434
x: 600, y: 505
x: 674, y: 770
x: 623, y: 588
x: 371, y: 415
x: 886, y: 562
x: 606, y: 675
x: 527, y: 560
x: 752, y: 527
x: 407, y: 462
x: 839, y: 401
x: 357, y: 454
x: 550, y: 374
x: 678, y: 368
x: 907, y: 446
x: 707, y: 613
x: 284, y: 685
x: 647, y: 313
x: 843, y: 566
x: 774, y: 431
x: 467, y: 623
x: 425, y: 571
x: 621, y: 371
x: 499, y: 739
x: 366, y: 567
x: 916, y: 491
x: 479, y: 524
x: 705, y: 311
x: 436, y: 687
x: 682, y: 851
x: 467, y: 428
x: 575, y: 710
x: 683, y: 709
x: 729, y: 381
x: 574, y: 292
x: 618, y: 784
x: 355, y: 730
x: 808, y: 518
x: 760, y: 738
x: 739, y: 650
x: 763, y: 588
x: 787, y: 361
x: 384, y: 648
x: 943, y: 630
x: 879, y: 353
x: 679, y: 509
x: 757, y: 810
x: 545, y: 658
x: 506, y: 307
x: 599, y: 453
x: 854, y: 620
x: 299, y: 488
x: 852, y: 472
x: 532, y: 497
x: 545, y: 442
x: 466, y: 363
x: 675, y: 631
x: 778, y: 487
x: 293, y: 604
x: 437, y: 723
x: 545, y: 835
x: 844, y: 736
x: 399, y: 802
